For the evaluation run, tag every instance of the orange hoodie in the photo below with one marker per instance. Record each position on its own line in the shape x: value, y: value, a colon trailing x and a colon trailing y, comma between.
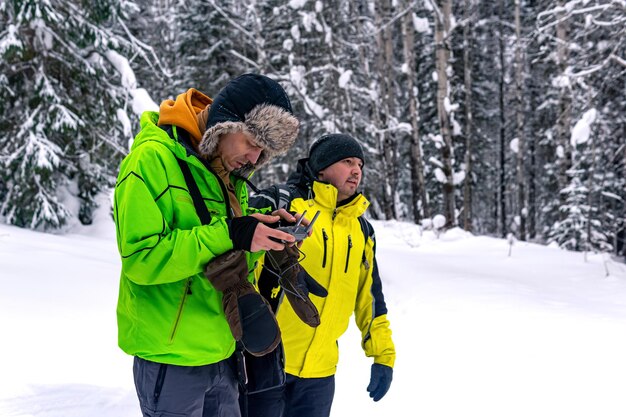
x: 185, y: 112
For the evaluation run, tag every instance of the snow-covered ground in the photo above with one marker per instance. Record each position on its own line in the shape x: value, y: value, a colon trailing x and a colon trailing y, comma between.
x: 478, y: 333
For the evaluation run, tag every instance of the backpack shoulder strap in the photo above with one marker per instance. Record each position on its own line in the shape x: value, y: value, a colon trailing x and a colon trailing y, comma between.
x: 365, y: 228
x: 198, y: 202
x: 276, y: 197
x: 286, y: 193
x: 368, y: 232
x: 192, y: 186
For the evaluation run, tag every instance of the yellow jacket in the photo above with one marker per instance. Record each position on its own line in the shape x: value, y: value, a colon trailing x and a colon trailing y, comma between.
x: 340, y: 258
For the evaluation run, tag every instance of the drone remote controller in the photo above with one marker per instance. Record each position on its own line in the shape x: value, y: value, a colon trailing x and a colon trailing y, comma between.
x: 297, y: 230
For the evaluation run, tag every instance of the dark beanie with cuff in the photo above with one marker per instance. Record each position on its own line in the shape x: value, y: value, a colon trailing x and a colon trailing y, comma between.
x: 332, y: 148
x: 257, y: 105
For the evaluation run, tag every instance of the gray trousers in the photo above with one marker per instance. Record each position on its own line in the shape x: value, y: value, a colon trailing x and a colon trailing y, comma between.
x: 190, y: 391
x: 299, y: 397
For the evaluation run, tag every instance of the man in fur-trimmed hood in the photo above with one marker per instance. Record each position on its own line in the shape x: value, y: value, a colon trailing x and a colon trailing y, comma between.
x: 236, y: 108
x: 178, y: 207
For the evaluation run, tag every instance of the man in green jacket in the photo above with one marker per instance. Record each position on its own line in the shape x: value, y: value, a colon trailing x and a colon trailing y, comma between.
x: 170, y: 317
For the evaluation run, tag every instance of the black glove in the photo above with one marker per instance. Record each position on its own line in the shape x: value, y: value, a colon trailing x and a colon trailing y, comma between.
x: 306, y: 284
x: 380, y: 381
x: 241, y: 231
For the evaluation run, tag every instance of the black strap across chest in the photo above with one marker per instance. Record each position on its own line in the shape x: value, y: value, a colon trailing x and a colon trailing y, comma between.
x: 198, y: 202
x: 192, y: 186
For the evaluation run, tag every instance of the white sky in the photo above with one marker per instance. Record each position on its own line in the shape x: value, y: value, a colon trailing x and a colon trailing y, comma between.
x: 540, y: 334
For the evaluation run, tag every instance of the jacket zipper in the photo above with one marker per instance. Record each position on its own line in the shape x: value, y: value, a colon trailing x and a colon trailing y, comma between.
x: 179, y: 313
x: 325, y: 236
x: 348, y: 255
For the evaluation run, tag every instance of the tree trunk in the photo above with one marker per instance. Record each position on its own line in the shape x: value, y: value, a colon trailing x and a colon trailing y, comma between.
x: 418, y: 184
x: 469, y: 117
x: 532, y: 189
x: 532, y: 139
x: 442, y: 31
x: 386, y: 141
x: 519, y: 125
x: 502, y: 165
x: 590, y: 189
x: 565, y: 100
x: 622, y: 229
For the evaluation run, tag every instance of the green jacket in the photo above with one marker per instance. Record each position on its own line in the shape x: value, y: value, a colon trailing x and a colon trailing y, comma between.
x: 167, y: 311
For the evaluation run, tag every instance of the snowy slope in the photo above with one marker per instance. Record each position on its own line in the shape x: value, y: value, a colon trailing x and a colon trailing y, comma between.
x: 478, y: 333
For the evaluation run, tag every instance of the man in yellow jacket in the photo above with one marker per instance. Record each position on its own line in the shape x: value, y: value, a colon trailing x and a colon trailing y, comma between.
x: 340, y: 255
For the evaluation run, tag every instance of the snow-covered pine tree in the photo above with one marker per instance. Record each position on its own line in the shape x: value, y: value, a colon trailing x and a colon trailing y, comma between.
x: 325, y: 67
x: 201, y: 44
x: 61, y: 136
x: 209, y: 50
x: 580, y: 229
x: 269, y: 37
x: 592, y: 73
x: 156, y: 23
x: 324, y: 62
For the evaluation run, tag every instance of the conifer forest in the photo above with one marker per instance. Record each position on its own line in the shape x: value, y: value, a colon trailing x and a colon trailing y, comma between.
x: 506, y: 117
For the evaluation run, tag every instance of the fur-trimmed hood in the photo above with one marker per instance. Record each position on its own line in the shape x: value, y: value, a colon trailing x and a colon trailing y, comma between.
x: 257, y: 105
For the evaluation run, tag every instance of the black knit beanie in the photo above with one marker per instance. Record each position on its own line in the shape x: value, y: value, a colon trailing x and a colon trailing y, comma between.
x: 332, y: 148
x: 255, y: 104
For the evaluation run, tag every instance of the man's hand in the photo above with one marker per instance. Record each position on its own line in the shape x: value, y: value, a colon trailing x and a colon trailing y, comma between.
x: 380, y: 381
x: 262, y: 234
x: 285, y: 215
x: 290, y: 218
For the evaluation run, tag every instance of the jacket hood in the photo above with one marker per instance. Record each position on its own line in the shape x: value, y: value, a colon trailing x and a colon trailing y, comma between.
x: 151, y: 132
x: 304, y: 176
x: 183, y: 112
x: 257, y: 105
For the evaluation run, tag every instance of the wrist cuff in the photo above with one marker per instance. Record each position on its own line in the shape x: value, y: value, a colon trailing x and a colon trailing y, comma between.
x: 241, y: 231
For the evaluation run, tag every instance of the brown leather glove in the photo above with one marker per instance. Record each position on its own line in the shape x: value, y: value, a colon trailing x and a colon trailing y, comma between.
x: 249, y: 316
x: 297, y: 284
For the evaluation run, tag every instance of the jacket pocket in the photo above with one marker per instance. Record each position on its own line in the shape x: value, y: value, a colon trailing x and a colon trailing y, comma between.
x: 158, y: 386
x: 181, y: 307
x: 348, y: 254
x: 325, y: 236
